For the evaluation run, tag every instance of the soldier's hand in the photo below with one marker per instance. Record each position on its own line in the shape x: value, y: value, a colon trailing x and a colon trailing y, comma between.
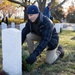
x: 32, y: 58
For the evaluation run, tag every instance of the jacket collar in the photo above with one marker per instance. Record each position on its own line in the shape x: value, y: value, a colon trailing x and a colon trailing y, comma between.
x: 41, y: 17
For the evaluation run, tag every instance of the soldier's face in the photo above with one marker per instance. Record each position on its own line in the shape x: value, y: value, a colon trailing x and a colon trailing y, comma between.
x: 33, y: 17
x: 49, y: 7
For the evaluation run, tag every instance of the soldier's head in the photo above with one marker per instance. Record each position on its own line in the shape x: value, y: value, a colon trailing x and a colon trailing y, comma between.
x: 49, y: 5
x: 33, y: 12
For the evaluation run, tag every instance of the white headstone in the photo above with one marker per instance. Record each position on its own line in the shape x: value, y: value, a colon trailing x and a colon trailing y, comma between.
x: 12, y: 51
x: 74, y: 28
x: 61, y: 25
x: 22, y: 26
x: 3, y: 25
x: 12, y: 25
x: 57, y: 26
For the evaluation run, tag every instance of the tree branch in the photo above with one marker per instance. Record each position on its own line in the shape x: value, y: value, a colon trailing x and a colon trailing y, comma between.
x: 56, y: 7
x: 17, y: 2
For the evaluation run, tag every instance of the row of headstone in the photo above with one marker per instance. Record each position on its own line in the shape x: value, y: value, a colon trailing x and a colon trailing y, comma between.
x: 58, y: 26
x: 11, y: 49
x: 4, y: 25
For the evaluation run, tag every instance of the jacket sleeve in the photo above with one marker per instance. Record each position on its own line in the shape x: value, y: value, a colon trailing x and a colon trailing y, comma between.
x: 46, y: 37
x: 25, y: 31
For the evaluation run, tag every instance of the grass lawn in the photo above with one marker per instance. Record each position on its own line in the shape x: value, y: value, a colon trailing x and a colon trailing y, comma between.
x: 66, y: 66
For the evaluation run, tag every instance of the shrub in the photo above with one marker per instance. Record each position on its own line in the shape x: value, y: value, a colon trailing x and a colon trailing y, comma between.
x: 17, y: 21
x: 56, y: 21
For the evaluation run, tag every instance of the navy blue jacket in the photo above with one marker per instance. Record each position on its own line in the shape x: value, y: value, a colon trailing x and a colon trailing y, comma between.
x: 47, y: 12
x: 45, y: 29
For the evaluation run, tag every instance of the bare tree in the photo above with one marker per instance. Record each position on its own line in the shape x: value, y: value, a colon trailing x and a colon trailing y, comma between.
x: 41, y: 5
x: 59, y: 5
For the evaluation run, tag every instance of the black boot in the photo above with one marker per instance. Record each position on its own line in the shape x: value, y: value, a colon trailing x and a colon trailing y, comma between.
x: 61, y: 50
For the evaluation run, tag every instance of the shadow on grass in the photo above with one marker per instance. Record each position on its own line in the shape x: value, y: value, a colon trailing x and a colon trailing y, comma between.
x: 73, y: 38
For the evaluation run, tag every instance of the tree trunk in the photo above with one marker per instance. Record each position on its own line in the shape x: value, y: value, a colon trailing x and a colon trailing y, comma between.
x: 22, y: 4
x: 25, y: 14
x: 41, y: 4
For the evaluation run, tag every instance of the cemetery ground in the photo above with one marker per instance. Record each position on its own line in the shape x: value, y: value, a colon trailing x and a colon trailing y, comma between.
x: 66, y: 66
